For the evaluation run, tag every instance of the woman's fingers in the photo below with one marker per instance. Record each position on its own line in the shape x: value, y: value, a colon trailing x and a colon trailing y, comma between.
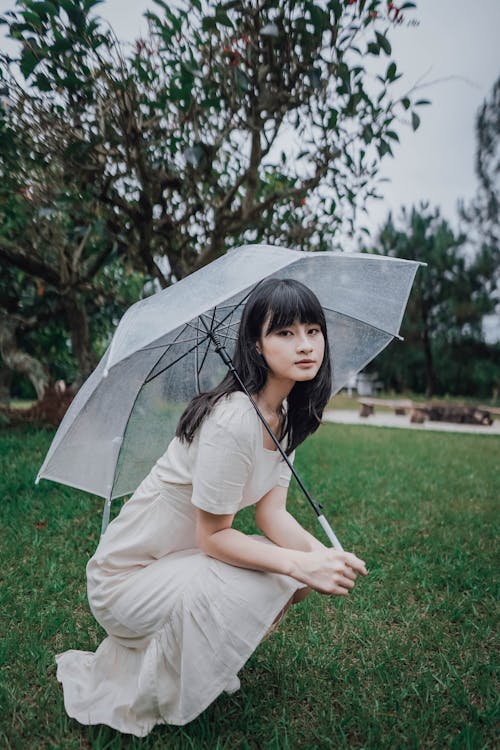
x: 349, y: 573
x: 331, y: 571
x: 350, y: 560
x: 356, y: 564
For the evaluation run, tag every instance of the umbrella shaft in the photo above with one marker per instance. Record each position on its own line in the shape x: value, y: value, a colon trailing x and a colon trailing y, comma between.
x: 316, y: 507
x: 221, y: 351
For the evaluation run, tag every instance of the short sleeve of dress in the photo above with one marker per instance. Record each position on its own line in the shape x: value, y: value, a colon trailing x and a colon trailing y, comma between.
x: 223, y: 461
x: 285, y: 472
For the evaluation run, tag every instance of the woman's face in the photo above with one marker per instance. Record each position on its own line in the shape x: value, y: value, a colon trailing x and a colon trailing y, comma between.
x: 293, y: 353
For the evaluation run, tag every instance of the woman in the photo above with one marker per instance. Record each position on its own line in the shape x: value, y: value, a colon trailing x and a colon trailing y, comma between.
x: 184, y: 597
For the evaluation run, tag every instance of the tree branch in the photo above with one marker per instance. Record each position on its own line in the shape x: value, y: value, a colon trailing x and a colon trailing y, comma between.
x: 12, y: 253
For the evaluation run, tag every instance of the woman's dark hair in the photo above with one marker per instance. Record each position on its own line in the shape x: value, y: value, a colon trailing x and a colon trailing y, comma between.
x: 281, y: 302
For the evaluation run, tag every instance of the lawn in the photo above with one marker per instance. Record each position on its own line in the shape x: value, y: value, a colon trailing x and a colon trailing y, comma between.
x: 407, y: 661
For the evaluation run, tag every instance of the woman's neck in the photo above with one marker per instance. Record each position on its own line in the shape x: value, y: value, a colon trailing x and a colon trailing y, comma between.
x: 272, y: 395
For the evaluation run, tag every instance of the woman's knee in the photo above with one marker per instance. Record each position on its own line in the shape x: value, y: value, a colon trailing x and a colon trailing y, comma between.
x: 300, y: 595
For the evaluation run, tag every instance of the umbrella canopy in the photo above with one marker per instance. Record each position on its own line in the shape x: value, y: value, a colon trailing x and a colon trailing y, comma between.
x: 125, y: 414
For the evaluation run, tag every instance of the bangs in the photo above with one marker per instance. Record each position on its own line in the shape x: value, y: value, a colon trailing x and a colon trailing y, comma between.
x: 289, y: 303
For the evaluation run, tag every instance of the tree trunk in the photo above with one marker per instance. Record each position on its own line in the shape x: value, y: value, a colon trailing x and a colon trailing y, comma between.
x: 20, y: 361
x: 5, y: 381
x: 76, y: 314
x: 430, y: 375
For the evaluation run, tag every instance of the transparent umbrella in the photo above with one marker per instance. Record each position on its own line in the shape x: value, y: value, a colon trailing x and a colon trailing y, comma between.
x: 179, y: 342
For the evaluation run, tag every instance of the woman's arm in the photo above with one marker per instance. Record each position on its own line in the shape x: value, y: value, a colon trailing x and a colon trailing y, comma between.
x: 272, y: 517
x: 325, y: 570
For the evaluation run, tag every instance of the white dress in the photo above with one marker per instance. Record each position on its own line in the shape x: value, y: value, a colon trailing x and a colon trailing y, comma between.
x: 180, y: 624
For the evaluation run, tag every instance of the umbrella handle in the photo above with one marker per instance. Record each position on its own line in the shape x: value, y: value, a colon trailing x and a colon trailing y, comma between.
x: 330, y: 533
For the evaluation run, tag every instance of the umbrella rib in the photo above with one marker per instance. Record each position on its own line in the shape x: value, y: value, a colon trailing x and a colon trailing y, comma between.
x: 364, y: 322
x: 208, y: 347
x: 197, y: 373
x: 149, y: 379
x: 226, y: 334
x: 233, y: 308
x: 168, y: 344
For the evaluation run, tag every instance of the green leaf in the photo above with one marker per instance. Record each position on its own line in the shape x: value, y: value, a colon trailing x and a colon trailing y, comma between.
x: 61, y: 45
x: 223, y: 19
x: 154, y: 19
x: 336, y: 6
x: 43, y: 9
x: 72, y: 82
x: 373, y: 48
x: 392, y: 134
x: 405, y: 102
x: 209, y: 23
x: 384, y: 149
x: 423, y: 101
x: 43, y: 82
x: 231, y: 5
x: 345, y: 74
x: 332, y: 120
x: 74, y: 13
x: 319, y: 18
x: 29, y: 61
x: 88, y: 4
x: 415, y: 120
x: 31, y: 18
x: 391, y: 71
x: 367, y: 134
x: 383, y: 42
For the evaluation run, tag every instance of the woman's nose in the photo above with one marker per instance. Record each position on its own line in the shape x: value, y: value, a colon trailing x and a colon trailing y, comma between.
x: 304, y: 345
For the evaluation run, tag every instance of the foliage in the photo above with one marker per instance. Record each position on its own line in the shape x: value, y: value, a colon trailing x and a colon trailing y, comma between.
x: 444, y: 349
x: 483, y: 213
x: 230, y: 122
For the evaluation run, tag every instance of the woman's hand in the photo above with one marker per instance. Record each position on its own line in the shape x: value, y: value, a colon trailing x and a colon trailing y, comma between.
x: 328, y: 571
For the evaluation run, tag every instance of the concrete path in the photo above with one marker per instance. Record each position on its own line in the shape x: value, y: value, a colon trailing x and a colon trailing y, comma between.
x: 386, y: 419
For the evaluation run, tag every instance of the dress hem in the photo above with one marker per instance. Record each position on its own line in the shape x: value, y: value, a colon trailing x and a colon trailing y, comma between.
x: 229, y: 673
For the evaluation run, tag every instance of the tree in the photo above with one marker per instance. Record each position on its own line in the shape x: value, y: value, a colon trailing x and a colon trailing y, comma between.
x: 484, y: 211
x: 231, y: 122
x: 482, y: 216
x: 450, y: 297
x: 52, y: 240
x: 186, y: 136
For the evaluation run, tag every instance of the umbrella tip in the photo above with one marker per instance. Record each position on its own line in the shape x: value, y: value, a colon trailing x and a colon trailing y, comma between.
x: 105, y: 373
x: 37, y: 480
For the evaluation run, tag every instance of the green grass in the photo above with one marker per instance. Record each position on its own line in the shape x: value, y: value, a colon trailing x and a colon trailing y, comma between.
x: 407, y: 661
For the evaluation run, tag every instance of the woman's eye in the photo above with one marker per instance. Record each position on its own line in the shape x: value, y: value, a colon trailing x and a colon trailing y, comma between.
x: 284, y: 333
x: 315, y: 330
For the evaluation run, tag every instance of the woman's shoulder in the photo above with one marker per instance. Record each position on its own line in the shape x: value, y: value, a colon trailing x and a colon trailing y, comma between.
x: 235, y: 415
x: 236, y: 404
